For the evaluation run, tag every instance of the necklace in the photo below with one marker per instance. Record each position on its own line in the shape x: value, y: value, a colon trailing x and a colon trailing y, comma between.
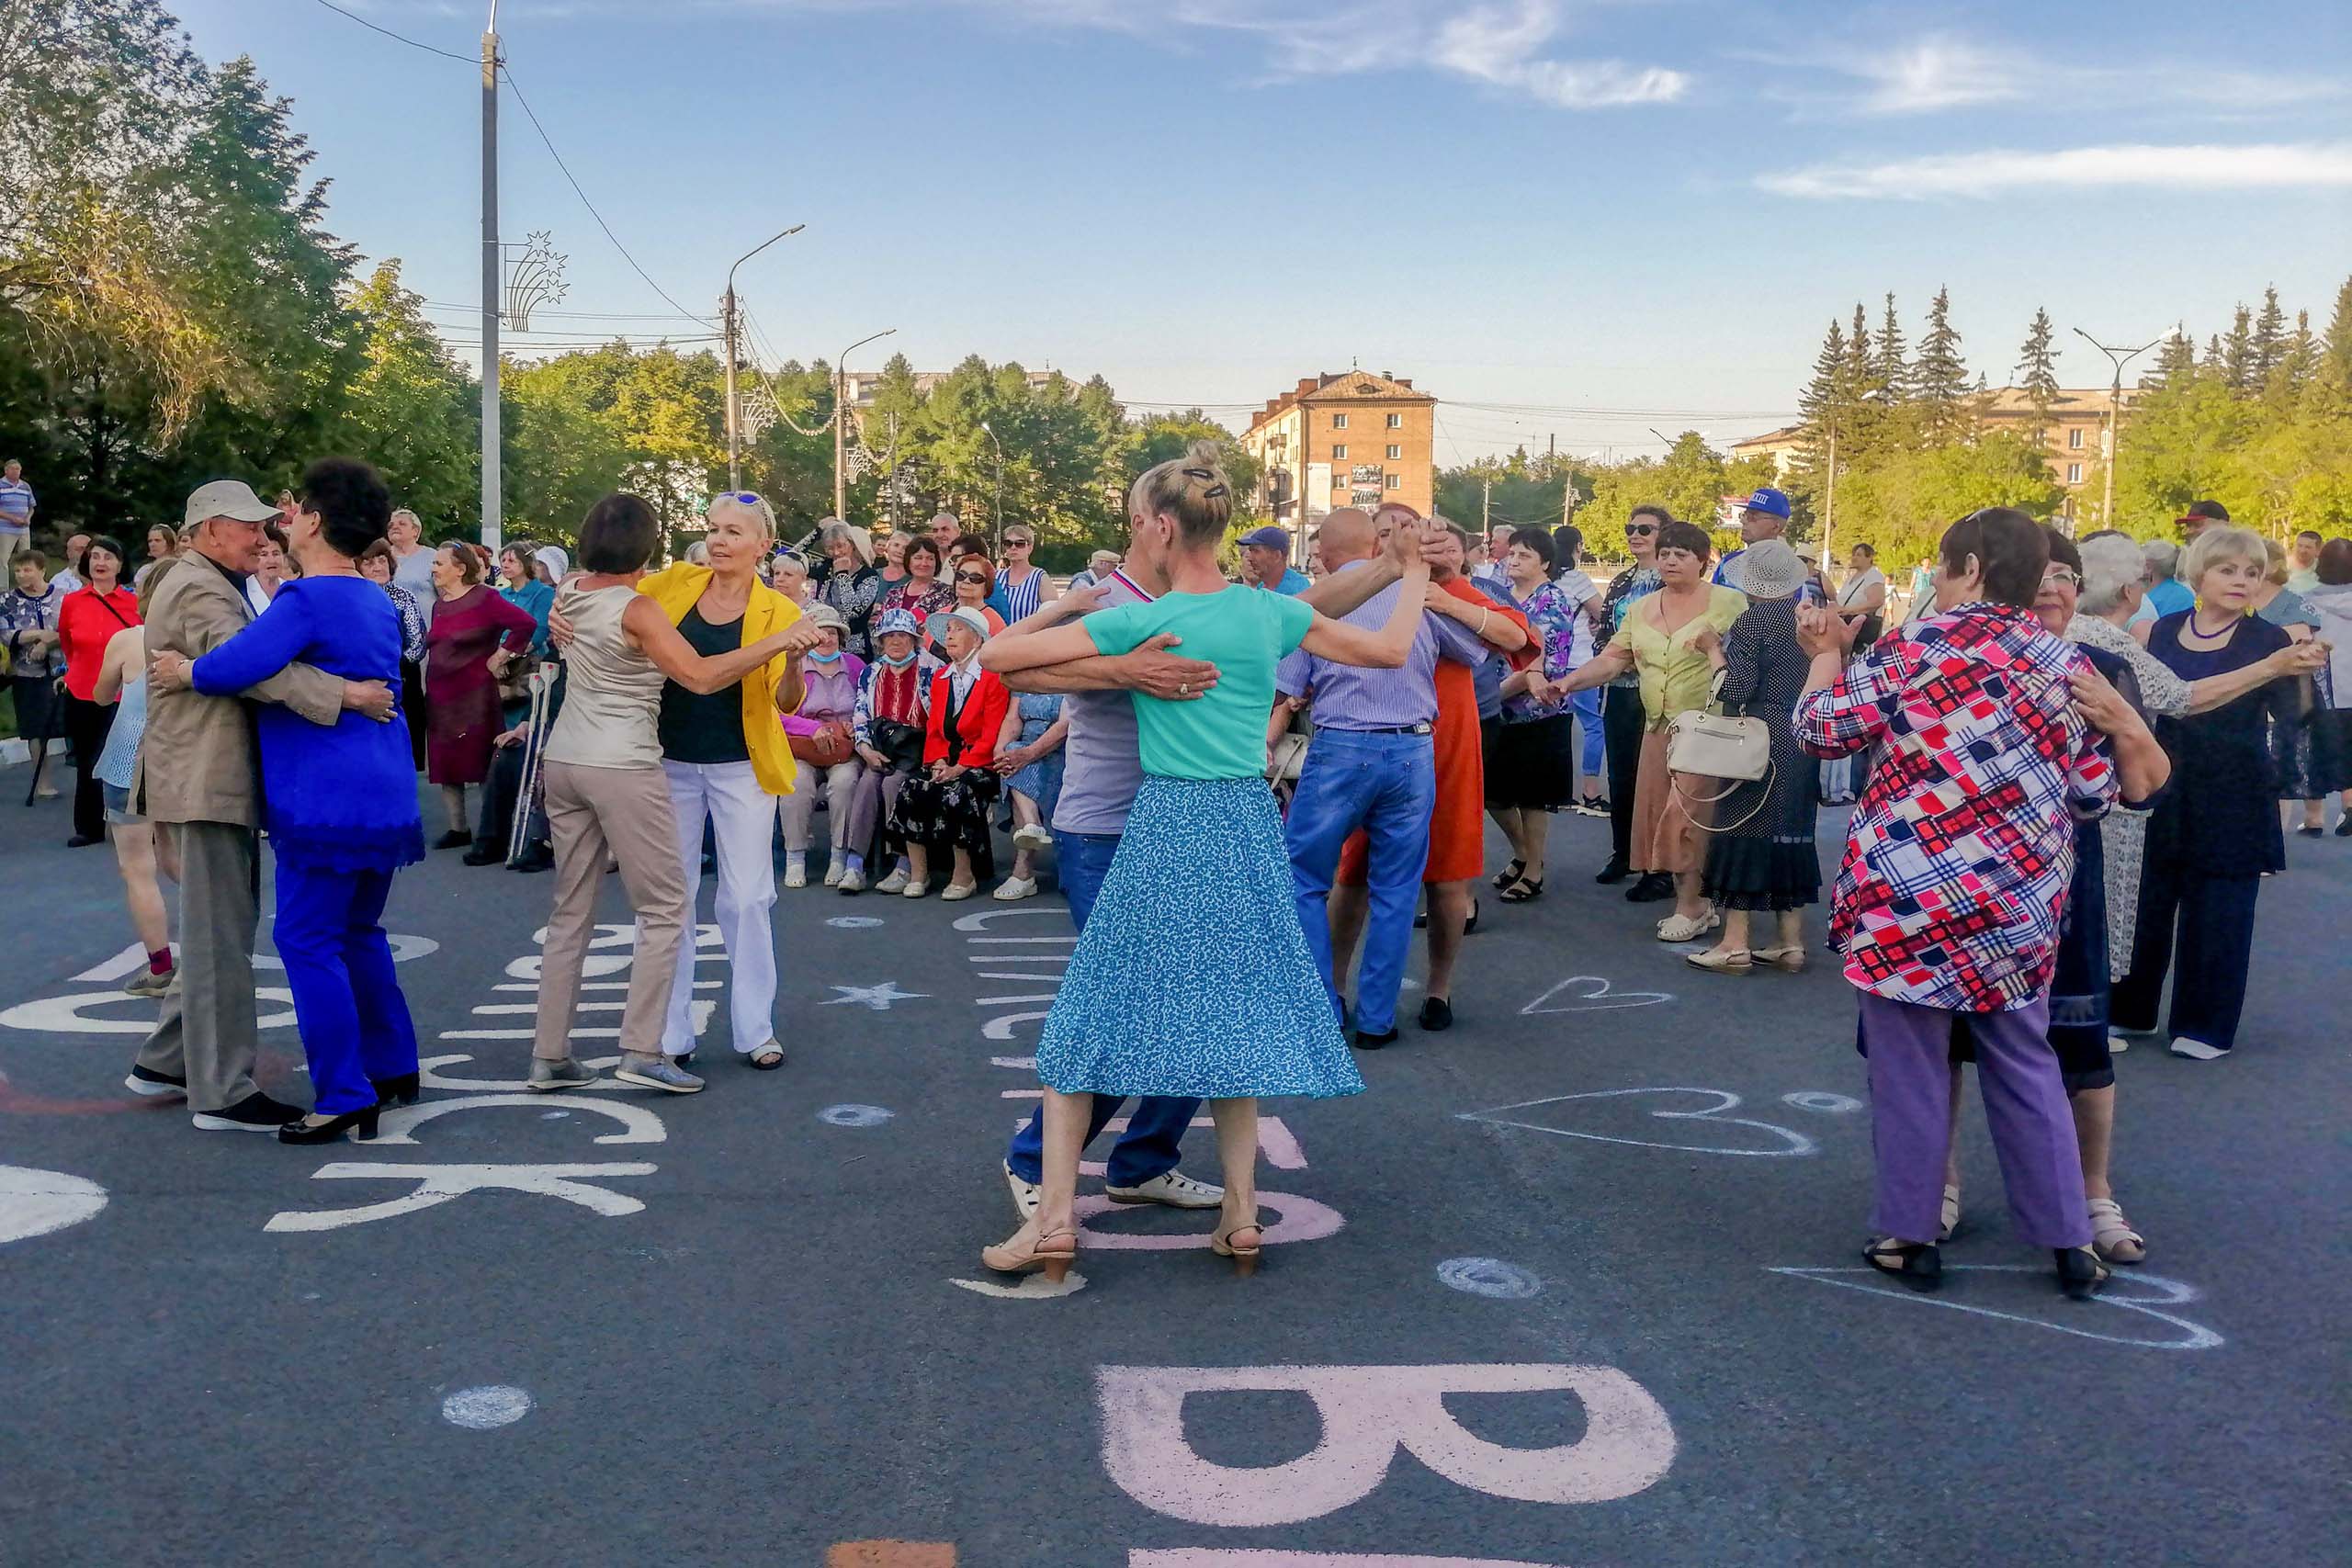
x: 2202, y: 634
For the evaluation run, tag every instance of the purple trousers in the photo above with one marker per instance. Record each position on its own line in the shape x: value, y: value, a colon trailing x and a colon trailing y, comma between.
x: 1910, y: 1049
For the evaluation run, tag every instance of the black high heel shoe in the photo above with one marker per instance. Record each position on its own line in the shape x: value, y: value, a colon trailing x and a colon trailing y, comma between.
x: 402, y: 1091
x: 1917, y: 1263
x: 2080, y: 1273
x: 331, y: 1130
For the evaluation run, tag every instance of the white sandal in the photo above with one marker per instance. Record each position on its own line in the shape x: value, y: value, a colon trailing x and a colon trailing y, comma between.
x: 1950, y: 1214
x: 1736, y: 961
x: 1688, y: 928
x: 2111, y: 1238
x: 1789, y: 959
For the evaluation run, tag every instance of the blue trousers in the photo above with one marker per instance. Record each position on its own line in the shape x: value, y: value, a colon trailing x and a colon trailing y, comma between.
x: 347, y: 999
x: 1386, y: 785
x: 1586, y: 705
x: 1150, y: 1147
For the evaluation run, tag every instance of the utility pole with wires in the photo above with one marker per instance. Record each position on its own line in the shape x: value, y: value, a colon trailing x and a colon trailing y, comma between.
x: 2119, y: 357
x: 730, y: 326
x: 841, y: 396
x: 492, y: 265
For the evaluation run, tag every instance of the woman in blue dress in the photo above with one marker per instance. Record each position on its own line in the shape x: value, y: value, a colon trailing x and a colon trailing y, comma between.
x: 1029, y: 755
x: 1193, y: 977
x: 339, y: 803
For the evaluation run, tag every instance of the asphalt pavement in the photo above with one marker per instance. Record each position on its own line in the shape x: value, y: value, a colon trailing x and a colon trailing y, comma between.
x: 1573, y: 1283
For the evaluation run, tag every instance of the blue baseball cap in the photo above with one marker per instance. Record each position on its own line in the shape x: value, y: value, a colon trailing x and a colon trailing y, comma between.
x: 1272, y: 537
x: 1767, y: 498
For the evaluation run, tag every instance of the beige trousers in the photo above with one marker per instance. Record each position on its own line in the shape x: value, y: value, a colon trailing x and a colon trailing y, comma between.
x: 628, y: 811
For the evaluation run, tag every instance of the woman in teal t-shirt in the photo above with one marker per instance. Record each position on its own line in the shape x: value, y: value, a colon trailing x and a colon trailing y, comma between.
x: 1193, y: 977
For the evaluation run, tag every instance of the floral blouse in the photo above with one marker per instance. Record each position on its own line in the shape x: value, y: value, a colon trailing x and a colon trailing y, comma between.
x: 411, y: 624
x: 1958, y: 859
x: 1552, y: 619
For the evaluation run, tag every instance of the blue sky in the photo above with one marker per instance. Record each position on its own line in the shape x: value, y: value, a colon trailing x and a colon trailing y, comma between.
x: 1542, y: 204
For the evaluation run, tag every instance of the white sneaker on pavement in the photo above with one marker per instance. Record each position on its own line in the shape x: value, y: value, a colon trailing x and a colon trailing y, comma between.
x: 1025, y: 1194
x: 851, y: 881
x: 1015, y: 887
x: 2196, y: 1050
x: 833, y: 873
x: 1031, y: 836
x: 1172, y: 1188
x: 909, y: 888
x: 892, y: 883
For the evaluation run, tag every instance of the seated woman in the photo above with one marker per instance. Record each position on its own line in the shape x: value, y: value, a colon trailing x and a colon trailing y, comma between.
x: 887, y: 726
x: 339, y: 802
x: 946, y: 806
x: 823, y: 760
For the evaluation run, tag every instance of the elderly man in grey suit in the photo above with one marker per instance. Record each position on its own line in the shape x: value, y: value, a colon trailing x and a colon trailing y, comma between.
x: 199, y: 780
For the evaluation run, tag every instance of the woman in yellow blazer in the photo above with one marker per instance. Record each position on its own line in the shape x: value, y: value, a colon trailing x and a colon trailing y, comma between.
x: 725, y: 758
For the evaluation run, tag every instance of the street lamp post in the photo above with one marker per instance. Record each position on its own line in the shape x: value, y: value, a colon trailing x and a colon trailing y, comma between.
x: 2118, y: 357
x: 840, y: 389
x: 727, y: 306
x: 997, y: 512
x: 493, y: 258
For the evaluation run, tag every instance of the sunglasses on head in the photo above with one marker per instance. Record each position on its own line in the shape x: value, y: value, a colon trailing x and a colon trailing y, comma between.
x: 741, y: 497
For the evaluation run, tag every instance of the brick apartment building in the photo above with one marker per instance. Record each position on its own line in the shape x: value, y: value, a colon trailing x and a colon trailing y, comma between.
x: 1349, y: 438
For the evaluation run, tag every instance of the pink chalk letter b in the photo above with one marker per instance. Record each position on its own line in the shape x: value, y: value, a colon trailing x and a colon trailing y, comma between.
x: 1368, y: 1413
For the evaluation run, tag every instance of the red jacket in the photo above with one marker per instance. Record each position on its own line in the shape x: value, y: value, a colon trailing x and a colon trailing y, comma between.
x: 967, y: 737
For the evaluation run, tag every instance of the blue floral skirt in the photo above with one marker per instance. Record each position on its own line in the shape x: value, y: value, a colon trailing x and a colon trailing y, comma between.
x: 1192, y: 978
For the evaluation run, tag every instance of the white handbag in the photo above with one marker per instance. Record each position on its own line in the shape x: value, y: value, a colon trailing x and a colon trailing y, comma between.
x: 1736, y: 750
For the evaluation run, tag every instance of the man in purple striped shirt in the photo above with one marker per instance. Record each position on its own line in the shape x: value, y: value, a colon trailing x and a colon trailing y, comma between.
x: 1370, y: 765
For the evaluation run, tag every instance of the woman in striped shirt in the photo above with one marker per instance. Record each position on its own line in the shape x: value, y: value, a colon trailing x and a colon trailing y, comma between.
x: 1022, y: 585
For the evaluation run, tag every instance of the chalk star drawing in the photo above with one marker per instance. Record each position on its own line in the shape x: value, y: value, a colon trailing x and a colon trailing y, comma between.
x: 2169, y: 1292
x: 878, y: 998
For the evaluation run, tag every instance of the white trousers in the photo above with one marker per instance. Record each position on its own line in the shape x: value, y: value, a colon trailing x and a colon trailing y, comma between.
x: 799, y: 809
x: 742, y: 819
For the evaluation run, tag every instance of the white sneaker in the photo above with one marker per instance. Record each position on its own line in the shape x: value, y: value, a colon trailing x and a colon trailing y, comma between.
x: 2196, y: 1050
x: 851, y: 881
x: 1026, y: 1194
x: 892, y: 883
x: 1015, y: 887
x: 1031, y: 836
x: 1172, y: 1188
x: 957, y: 890
x: 2118, y: 1043
x: 913, y: 889
x: 833, y: 873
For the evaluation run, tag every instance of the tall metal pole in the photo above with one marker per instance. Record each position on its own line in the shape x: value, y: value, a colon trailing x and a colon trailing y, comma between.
x: 491, y: 258
x: 840, y: 395
x: 734, y: 410
x: 2118, y: 356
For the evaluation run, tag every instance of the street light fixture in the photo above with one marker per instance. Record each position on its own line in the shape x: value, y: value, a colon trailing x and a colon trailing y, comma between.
x: 840, y: 389
x: 996, y: 514
x: 2118, y: 357
x: 727, y: 307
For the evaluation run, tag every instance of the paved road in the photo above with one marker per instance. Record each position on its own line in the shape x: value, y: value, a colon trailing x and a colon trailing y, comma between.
x: 1615, y: 1212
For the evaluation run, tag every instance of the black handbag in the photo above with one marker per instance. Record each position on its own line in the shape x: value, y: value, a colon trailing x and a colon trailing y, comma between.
x: 899, y: 742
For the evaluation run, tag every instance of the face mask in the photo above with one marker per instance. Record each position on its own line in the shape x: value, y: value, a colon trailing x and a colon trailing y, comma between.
x: 821, y: 657
x: 899, y: 662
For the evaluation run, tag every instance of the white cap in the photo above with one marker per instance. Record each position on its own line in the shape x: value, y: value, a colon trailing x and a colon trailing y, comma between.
x: 970, y: 617
x: 226, y: 498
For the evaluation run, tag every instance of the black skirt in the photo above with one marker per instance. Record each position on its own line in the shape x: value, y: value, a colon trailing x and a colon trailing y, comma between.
x: 1762, y: 873
x: 1530, y: 765
x: 40, y: 713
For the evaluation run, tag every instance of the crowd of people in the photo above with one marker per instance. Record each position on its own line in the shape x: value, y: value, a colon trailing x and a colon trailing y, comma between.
x: 2072, y: 761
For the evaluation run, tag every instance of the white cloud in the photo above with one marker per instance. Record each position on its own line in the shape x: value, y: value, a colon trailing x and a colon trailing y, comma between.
x: 1937, y: 72
x: 1996, y: 171
x: 1501, y: 44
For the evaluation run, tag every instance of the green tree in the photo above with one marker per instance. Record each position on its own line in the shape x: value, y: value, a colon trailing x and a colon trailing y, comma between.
x: 2238, y: 369
x: 1940, y: 384
x: 2268, y: 343
x: 2036, y: 373
x: 411, y: 408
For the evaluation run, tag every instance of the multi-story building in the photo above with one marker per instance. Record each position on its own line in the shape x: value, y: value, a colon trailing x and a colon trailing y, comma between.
x: 2073, y: 438
x: 1349, y: 438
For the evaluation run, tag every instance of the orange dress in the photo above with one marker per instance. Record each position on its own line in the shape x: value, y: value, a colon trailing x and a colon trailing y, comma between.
x: 1457, y: 822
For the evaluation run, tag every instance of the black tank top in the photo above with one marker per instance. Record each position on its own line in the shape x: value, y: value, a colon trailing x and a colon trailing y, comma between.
x: 697, y: 728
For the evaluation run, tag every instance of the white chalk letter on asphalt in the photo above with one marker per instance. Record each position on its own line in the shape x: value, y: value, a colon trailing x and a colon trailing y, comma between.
x: 1368, y: 1413
x: 439, y: 1183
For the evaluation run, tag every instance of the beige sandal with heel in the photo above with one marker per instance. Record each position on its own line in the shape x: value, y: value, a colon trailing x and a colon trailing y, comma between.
x: 1053, y: 1251
x: 1245, y: 1259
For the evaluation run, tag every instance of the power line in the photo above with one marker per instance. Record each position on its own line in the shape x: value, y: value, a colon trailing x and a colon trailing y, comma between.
x: 460, y: 58
x: 590, y: 206
x: 576, y: 315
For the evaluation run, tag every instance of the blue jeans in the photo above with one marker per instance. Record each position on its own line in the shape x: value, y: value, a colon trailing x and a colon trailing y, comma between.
x: 1586, y: 705
x: 1386, y: 785
x: 347, y: 1001
x: 1150, y: 1147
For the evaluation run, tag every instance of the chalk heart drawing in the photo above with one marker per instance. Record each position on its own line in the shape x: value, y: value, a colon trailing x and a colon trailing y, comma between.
x: 1590, y: 993
x: 492, y: 1406
x: 1253, y: 1557
x: 1031, y: 1287
x: 2070, y: 1315
x: 1698, y: 1113
x: 36, y: 1203
x: 1368, y: 1414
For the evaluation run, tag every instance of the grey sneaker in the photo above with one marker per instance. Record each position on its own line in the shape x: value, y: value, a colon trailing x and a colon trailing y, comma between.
x: 658, y: 1072
x: 147, y: 983
x: 565, y: 1073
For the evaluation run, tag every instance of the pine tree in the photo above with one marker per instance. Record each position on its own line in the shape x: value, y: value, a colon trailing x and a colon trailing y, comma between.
x: 2336, y: 351
x: 1865, y: 429
x: 2237, y: 355
x: 1823, y: 401
x: 1939, y: 378
x: 2298, y: 361
x: 1892, y: 370
x: 2176, y: 363
x: 2211, y: 363
x: 2038, y: 373
x: 2269, y: 343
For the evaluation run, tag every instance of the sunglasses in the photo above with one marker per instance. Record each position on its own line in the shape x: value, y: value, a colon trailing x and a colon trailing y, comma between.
x: 967, y: 577
x: 740, y: 497
x: 1640, y: 530
x: 1016, y: 544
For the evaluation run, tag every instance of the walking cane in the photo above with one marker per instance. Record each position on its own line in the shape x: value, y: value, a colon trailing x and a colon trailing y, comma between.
x: 518, y: 832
